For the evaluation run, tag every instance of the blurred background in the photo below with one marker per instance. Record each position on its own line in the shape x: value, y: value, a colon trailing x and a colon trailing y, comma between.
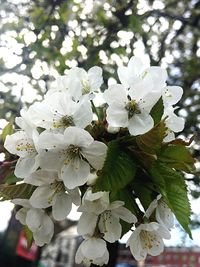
x: 42, y: 39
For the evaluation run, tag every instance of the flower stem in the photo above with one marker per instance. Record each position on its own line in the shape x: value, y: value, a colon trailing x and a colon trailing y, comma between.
x: 95, y: 110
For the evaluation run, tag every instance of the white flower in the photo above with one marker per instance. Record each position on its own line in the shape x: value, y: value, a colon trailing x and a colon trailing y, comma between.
x: 37, y: 221
x: 58, y: 111
x: 24, y: 146
x: 71, y: 154
x: 107, y: 223
x: 147, y: 239
x: 173, y: 122
x: 171, y: 95
x: 92, y: 251
x: 80, y: 82
x: 55, y: 195
x: 94, y: 202
x: 164, y: 215
x: 136, y: 74
x: 130, y: 108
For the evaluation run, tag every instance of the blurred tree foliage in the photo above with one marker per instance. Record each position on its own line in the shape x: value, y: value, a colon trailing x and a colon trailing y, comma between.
x: 40, y: 39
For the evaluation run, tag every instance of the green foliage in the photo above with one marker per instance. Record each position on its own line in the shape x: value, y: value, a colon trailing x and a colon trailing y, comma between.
x: 7, y: 130
x: 23, y: 190
x: 118, y: 171
x: 157, y: 111
x: 172, y: 186
x: 29, y: 236
x: 177, y: 157
x: 11, y: 179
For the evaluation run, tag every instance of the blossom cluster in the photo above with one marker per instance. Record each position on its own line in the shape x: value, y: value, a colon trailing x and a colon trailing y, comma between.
x: 59, y: 154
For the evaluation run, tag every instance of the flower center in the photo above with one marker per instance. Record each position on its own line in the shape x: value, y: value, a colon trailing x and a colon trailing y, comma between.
x: 147, y: 239
x: 26, y: 146
x: 72, y: 152
x: 133, y: 108
x: 65, y: 122
x: 58, y: 188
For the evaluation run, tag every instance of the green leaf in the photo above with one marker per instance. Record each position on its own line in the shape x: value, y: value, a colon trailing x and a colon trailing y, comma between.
x: 151, y: 141
x: 144, y: 189
x: 12, y: 179
x: 29, y: 236
x: 23, y: 190
x: 7, y: 130
x: 177, y: 157
x: 174, y: 190
x: 119, y: 169
x: 157, y: 111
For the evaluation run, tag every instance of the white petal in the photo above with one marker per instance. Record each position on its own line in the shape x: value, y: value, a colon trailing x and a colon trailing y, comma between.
x: 25, y: 166
x: 110, y: 227
x: 45, y: 233
x: 93, y: 248
x: 62, y: 206
x: 95, y: 154
x: 41, y: 177
x: 116, y: 95
x: 153, y: 205
x: 124, y: 214
x: 21, y: 215
x: 75, y: 196
x: 136, y: 66
x: 103, y: 259
x: 175, y: 123
x: 157, y: 245
x: 33, y: 219
x: 42, y: 197
x: 164, y: 215
x: 141, y: 88
x: 21, y: 202
x: 77, y: 136
x: 49, y: 140
x: 163, y: 232
x: 79, y: 256
x: 159, y: 77
x: 172, y: 94
x: 140, y: 124
x: 48, y: 162
x: 87, y: 223
x: 83, y: 115
x: 136, y: 247
x: 117, y: 117
x: 75, y: 173
x: 95, y: 77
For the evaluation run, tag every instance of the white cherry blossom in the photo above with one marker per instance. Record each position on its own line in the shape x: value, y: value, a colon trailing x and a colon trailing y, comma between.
x: 25, y: 146
x: 130, y: 108
x: 107, y: 222
x: 92, y: 251
x: 37, y: 221
x: 54, y: 194
x: 146, y: 239
x: 80, y: 82
x: 163, y: 213
x: 58, y: 111
x: 75, y: 152
x: 95, y: 202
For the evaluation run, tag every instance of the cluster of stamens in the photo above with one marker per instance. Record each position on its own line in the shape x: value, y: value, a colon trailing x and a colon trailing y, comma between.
x: 133, y: 108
